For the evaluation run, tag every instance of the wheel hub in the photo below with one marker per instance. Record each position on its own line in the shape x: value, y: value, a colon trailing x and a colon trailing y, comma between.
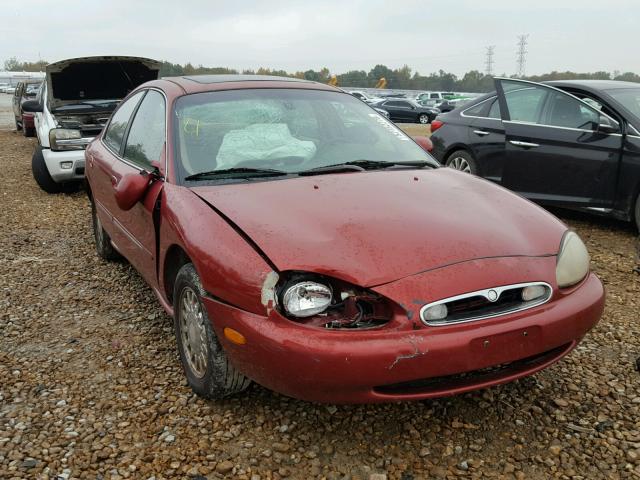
x: 193, y: 332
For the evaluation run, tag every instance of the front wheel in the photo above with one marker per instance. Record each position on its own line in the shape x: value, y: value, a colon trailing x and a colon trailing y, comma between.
x: 205, y: 363
x: 41, y: 173
x: 423, y: 119
x: 462, y: 161
x: 103, y: 242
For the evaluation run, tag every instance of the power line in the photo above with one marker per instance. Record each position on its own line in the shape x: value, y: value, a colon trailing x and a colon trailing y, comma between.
x: 488, y: 63
x: 521, y: 55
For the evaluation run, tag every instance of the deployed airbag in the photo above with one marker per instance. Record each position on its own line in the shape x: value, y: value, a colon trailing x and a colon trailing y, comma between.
x: 262, y: 142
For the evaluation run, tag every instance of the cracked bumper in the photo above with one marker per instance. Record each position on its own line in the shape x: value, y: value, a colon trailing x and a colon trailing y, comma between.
x: 375, y: 366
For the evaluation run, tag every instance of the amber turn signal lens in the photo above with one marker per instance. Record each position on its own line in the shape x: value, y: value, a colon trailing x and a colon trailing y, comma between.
x: 234, y: 336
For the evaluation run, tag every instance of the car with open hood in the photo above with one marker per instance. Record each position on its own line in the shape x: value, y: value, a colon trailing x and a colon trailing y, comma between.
x: 72, y: 107
x: 301, y: 240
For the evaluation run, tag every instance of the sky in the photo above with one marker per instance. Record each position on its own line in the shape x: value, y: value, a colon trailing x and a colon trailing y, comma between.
x: 451, y: 35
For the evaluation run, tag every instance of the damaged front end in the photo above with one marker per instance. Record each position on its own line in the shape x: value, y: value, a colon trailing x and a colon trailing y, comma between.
x: 329, y: 303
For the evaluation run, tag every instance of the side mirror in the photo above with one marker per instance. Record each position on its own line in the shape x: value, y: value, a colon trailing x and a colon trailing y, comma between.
x: 606, y: 125
x: 130, y: 189
x: 424, y: 142
x: 31, y: 106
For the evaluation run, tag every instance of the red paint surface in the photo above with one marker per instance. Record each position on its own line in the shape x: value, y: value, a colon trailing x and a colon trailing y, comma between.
x: 413, y: 236
x: 376, y: 227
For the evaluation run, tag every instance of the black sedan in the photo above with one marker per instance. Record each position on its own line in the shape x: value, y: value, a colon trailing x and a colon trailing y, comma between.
x: 407, y: 111
x: 572, y: 144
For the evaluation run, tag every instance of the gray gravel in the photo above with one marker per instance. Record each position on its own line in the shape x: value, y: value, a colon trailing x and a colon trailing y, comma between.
x: 91, y: 387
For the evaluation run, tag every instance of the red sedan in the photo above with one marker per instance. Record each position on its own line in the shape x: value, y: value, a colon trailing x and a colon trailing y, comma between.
x: 301, y: 240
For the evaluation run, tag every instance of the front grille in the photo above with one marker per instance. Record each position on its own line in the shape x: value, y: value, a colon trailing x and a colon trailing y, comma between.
x: 79, y: 170
x: 474, y: 377
x: 488, y: 303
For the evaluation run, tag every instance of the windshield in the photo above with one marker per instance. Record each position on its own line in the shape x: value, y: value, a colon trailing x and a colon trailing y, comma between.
x: 287, y: 130
x: 628, y: 97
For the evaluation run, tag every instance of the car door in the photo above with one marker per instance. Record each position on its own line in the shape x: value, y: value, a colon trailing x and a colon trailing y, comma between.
x: 556, y: 151
x: 486, y: 138
x: 17, y: 96
x: 99, y: 158
x: 144, y: 143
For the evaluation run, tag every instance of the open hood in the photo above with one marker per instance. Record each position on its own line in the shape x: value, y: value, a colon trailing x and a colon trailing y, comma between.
x: 97, y: 78
x: 372, y: 228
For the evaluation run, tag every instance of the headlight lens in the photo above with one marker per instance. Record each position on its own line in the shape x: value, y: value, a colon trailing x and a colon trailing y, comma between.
x: 66, y: 139
x: 573, y: 261
x: 306, y: 299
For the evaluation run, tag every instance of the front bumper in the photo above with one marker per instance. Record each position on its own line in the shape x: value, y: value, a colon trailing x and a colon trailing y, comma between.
x: 412, y: 361
x: 59, y: 167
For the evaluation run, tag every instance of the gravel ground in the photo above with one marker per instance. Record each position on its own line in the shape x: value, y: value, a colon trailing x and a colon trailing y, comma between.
x: 91, y: 387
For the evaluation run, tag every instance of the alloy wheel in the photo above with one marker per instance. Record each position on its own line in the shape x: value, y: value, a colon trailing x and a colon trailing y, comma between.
x: 193, y: 333
x: 459, y: 163
x: 424, y: 119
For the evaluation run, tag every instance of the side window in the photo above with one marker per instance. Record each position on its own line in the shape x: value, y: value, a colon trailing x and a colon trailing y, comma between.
x: 435, y: 95
x: 118, y: 125
x: 524, y: 102
x: 146, y: 135
x: 565, y: 111
x: 494, y: 111
x: 477, y: 110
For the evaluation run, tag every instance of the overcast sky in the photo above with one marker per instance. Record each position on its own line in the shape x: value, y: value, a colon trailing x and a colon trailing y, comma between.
x: 585, y: 35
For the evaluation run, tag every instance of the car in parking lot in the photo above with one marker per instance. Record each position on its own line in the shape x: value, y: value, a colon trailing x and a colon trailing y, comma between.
x: 301, y: 240
x: 572, y: 144
x: 26, y: 90
x: 76, y: 100
x: 405, y: 110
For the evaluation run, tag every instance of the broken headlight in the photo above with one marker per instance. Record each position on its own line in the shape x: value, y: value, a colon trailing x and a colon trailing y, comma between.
x: 573, y: 260
x: 305, y: 299
x: 330, y: 303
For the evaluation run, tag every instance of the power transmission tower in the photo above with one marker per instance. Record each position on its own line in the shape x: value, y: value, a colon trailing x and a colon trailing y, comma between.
x: 488, y: 63
x: 521, y: 55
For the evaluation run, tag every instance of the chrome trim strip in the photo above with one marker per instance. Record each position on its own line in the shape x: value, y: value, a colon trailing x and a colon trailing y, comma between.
x: 520, y: 122
x: 482, y: 133
x: 600, y: 209
x: 518, y: 143
x: 485, y: 293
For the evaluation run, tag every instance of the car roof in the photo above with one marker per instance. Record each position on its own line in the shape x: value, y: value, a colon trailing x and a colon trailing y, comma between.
x: 593, y: 84
x: 205, y: 83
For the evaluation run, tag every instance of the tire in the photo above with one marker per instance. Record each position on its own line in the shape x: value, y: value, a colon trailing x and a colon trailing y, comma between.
x: 637, y: 215
x: 205, y: 363
x: 463, y: 161
x: 41, y: 174
x: 29, y: 131
x: 102, y: 240
x: 423, y: 118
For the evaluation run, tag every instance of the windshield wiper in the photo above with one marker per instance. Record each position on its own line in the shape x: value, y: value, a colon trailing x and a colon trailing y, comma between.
x: 362, y: 165
x: 236, y: 172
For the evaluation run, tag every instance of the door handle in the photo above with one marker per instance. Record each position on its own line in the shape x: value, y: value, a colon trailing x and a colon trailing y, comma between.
x: 518, y: 143
x: 482, y: 133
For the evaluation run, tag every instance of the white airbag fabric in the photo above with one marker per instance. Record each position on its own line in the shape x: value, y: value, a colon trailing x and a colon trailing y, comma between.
x: 261, y: 141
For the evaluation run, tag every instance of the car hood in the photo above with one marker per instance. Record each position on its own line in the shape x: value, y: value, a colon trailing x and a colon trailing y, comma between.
x: 372, y: 228
x: 97, y: 78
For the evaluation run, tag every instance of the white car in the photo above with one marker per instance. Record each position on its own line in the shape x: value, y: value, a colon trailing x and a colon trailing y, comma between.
x: 73, y: 105
x: 3, y: 87
x: 10, y: 90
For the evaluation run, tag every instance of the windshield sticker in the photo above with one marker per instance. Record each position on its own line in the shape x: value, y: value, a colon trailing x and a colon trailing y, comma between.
x: 389, y: 127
